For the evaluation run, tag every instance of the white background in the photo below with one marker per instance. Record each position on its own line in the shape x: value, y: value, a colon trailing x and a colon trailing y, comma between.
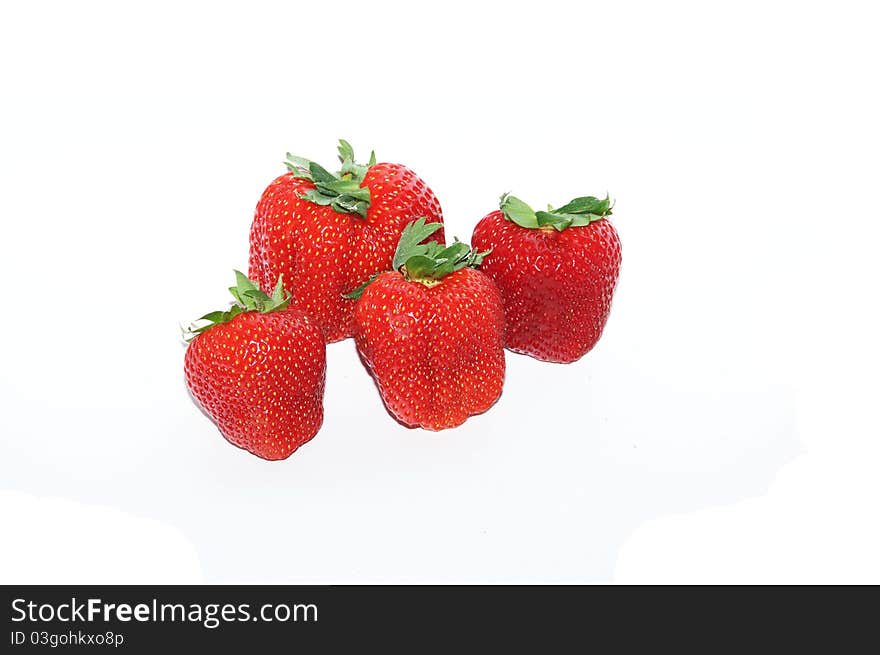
x: 725, y: 428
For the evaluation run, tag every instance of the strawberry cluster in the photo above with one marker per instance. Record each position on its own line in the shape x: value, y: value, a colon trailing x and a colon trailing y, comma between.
x: 361, y: 253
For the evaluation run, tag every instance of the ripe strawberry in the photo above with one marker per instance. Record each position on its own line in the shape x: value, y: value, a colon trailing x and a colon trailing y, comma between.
x: 258, y: 371
x: 556, y: 271
x: 430, y: 332
x: 327, y: 233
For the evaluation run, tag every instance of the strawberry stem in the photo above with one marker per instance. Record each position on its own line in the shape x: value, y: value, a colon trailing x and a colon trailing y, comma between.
x: 248, y: 298
x: 427, y: 263
x: 343, y: 191
x: 577, y: 213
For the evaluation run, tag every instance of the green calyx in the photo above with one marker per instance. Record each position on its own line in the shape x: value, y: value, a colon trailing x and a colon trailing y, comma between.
x: 248, y: 298
x: 341, y: 191
x: 431, y: 262
x: 577, y: 213
x: 427, y: 263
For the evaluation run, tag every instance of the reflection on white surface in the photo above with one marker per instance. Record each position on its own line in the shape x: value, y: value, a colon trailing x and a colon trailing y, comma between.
x: 60, y: 541
x: 546, y: 487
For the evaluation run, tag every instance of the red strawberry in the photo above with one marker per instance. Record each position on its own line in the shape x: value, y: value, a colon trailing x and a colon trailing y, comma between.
x: 258, y: 371
x: 556, y: 271
x: 431, y: 331
x: 327, y: 233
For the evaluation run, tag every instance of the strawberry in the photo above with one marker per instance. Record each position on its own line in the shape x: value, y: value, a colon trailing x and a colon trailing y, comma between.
x: 327, y: 233
x: 556, y: 271
x: 430, y: 332
x: 257, y: 370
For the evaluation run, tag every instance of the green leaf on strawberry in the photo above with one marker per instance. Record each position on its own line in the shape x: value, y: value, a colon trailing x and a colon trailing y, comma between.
x: 576, y: 213
x: 358, y: 291
x: 430, y: 262
x: 248, y: 298
x: 410, y: 243
x: 427, y: 263
x: 342, y: 191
